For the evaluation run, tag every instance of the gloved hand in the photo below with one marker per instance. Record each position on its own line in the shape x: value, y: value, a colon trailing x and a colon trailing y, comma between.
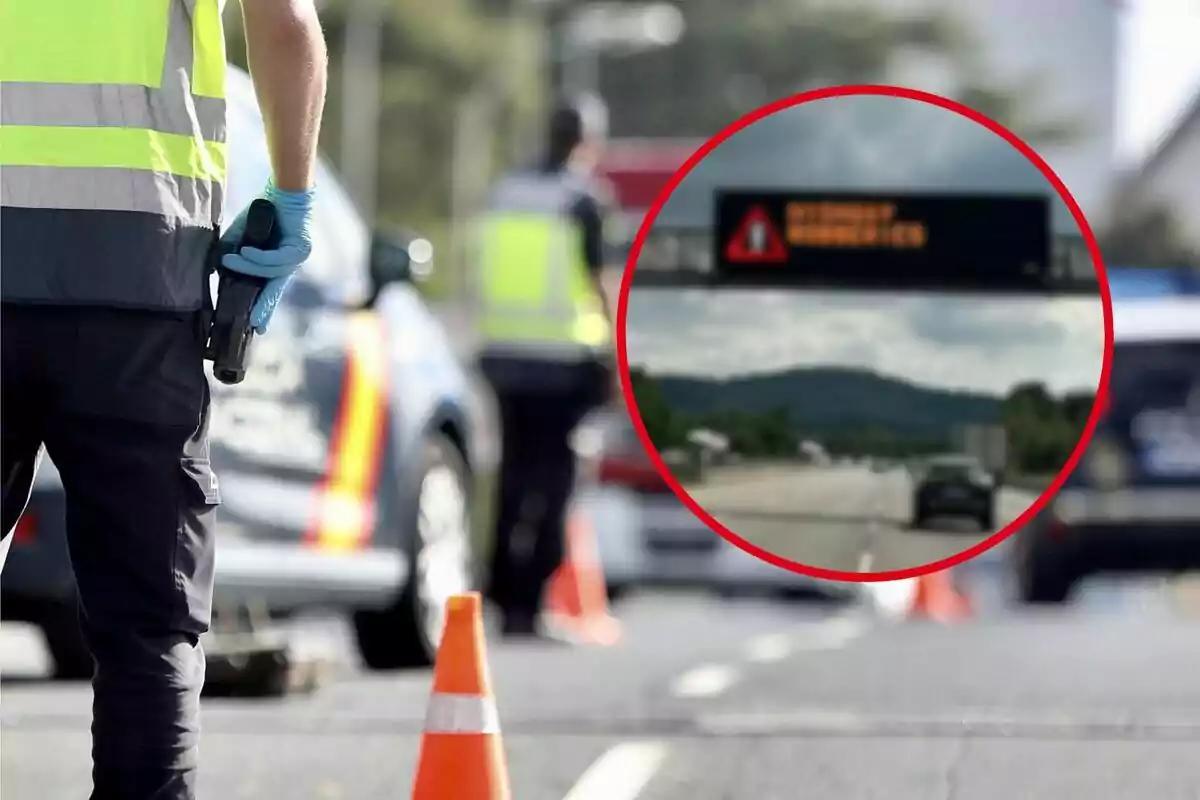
x: 293, y: 216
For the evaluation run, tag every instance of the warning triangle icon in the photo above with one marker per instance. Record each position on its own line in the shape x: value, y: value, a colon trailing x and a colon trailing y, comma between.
x: 756, y: 240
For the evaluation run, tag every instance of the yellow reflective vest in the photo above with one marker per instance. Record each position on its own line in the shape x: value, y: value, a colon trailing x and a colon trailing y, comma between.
x: 534, y: 297
x: 112, y: 150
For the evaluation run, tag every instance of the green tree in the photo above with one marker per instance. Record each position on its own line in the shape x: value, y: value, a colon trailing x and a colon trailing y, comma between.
x: 657, y: 415
x: 735, y: 56
x: 433, y: 57
x: 1077, y: 407
x: 1043, y: 430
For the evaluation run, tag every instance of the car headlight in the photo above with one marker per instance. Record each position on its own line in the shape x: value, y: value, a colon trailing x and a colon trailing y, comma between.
x: 1106, y: 464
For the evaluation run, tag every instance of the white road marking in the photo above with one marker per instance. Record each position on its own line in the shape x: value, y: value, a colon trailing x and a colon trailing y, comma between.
x: 621, y: 773
x: 830, y: 634
x: 704, y: 681
x: 867, y: 559
x: 769, y: 648
x: 23, y: 651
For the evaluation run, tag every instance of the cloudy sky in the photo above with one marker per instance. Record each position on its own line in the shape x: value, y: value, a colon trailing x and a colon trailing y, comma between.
x: 947, y: 342
x: 1159, y: 72
x: 960, y: 341
x: 878, y: 143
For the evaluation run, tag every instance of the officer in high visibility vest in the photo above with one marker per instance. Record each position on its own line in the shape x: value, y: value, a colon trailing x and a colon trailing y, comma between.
x: 547, y: 345
x: 112, y: 170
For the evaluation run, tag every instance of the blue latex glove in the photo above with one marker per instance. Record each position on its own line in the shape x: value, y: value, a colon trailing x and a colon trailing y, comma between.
x: 293, y: 216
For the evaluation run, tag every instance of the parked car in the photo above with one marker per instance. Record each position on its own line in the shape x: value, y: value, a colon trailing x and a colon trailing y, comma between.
x: 1132, y: 505
x: 647, y: 536
x: 346, y: 458
x: 954, y: 486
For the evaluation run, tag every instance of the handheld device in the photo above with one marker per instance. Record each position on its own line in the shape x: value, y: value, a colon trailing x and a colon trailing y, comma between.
x: 230, y: 335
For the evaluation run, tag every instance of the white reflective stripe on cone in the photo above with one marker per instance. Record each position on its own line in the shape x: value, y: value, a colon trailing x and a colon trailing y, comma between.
x: 461, y: 713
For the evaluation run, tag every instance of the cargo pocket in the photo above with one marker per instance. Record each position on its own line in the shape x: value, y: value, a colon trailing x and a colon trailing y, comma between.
x: 200, y: 482
x: 195, y: 542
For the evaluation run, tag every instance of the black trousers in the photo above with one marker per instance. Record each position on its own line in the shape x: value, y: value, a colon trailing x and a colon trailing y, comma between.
x: 120, y: 401
x: 537, y: 476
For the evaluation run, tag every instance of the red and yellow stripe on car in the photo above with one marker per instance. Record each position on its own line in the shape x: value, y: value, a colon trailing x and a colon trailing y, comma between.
x: 346, y: 502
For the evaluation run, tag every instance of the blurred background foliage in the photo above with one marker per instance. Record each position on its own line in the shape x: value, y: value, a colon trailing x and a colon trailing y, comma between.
x: 463, y: 82
x: 1043, y: 429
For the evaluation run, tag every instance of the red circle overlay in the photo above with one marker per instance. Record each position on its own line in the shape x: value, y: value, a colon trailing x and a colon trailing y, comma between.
x: 851, y: 91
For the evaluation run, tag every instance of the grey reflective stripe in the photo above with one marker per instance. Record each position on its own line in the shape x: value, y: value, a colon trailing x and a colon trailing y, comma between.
x: 530, y: 194
x: 108, y: 106
x: 102, y: 189
x: 171, y: 109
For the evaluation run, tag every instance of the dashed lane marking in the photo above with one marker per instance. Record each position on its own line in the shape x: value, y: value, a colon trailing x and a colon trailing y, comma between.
x: 825, y: 635
x: 621, y: 773
x: 704, y: 681
x: 769, y: 648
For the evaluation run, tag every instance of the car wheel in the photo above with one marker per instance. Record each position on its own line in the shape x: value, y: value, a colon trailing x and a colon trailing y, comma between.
x: 806, y: 594
x: 988, y: 521
x: 408, y: 633
x: 617, y: 592
x: 72, y: 660
x: 1042, y: 579
x: 918, y: 519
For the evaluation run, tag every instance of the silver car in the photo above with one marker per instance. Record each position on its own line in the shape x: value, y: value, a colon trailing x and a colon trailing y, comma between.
x: 646, y: 536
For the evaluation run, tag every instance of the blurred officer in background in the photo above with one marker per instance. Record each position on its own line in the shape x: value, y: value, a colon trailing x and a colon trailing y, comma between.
x: 112, y: 155
x: 547, y: 345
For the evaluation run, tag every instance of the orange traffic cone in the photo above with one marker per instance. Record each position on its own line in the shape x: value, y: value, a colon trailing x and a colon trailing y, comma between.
x: 461, y: 754
x: 577, y: 597
x: 938, y: 598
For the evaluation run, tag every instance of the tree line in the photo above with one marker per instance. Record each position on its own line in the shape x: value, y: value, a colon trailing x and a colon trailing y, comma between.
x: 1043, y: 429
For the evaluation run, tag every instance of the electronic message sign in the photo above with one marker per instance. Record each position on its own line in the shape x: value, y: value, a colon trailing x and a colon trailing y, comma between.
x: 883, y: 241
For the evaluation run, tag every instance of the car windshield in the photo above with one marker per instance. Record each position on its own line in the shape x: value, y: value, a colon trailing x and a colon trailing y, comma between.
x: 950, y: 470
x: 1157, y: 375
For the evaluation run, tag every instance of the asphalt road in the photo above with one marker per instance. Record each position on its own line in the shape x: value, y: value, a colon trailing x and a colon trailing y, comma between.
x: 707, y: 699
x: 840, y: 517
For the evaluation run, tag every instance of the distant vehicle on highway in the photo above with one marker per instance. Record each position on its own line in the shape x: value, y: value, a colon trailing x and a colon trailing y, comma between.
x: 1133, y: 503
x: 953, y: 486
x: 647, y: 537
x: 345, y: 457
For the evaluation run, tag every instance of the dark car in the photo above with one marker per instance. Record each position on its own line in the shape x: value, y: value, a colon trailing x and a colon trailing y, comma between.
x: 1132, y: 505
x: 346, y: 458
x: 954, y: 486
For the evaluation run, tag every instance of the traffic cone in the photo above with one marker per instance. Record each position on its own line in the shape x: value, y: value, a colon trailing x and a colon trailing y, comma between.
x: 938, y: 598
x: 462, y: 756
x: 577, y: 597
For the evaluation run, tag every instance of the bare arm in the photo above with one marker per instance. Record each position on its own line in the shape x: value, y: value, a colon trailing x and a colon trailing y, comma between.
x: 285, y: 49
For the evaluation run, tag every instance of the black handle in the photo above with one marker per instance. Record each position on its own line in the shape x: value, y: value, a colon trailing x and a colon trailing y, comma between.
x: 230, y: 335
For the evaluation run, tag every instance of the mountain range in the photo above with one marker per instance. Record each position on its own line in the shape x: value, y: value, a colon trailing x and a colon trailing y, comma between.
x: 834, y: 399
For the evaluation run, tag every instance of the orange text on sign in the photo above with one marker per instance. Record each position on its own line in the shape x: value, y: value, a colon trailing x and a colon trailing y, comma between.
x: 852, y: 225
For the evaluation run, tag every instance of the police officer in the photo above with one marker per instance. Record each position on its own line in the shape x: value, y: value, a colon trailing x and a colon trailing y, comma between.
x: 112, y: 170
x: 547, y: 339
